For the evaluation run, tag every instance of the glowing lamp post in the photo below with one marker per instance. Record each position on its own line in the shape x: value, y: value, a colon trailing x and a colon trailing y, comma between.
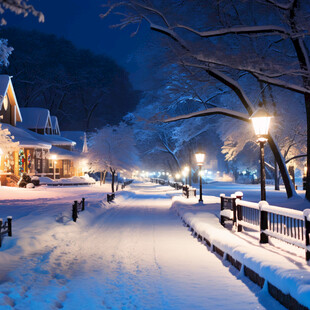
x: 261, y: 121
x: 200, y: 158
x: 54, y: 157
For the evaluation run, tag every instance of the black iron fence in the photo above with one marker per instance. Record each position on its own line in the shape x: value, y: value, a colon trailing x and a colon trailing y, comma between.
x: 77, y: 207
x: 5, y: 228
x: 288, y: 225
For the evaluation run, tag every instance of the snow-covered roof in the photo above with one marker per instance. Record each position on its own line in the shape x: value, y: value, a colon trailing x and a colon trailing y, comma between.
x: 77, y: 136
x: 62, y: 153
x: 55, y: 125
x: 6, y: 88
x: 35, y: 118
x: 25, y: 138
x: 53, y: 139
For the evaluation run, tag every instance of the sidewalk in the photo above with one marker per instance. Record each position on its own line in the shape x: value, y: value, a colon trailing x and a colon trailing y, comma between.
x: 277, y: 267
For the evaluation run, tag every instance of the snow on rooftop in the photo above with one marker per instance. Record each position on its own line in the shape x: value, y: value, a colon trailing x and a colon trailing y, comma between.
x: 53, y: 139
x: 34, y: 118
x: 62, y: 153
x: 25, y: 137
x: 4, y: 84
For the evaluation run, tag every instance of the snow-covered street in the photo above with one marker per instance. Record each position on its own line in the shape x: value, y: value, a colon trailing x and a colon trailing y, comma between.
x: 132, y: 254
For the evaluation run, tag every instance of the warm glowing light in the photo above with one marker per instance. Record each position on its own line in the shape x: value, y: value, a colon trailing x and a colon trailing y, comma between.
x: 177, y: 176
x: 54, y: 157
x: 261, y: 122
x: 1, y: 152
x: 200, y: 158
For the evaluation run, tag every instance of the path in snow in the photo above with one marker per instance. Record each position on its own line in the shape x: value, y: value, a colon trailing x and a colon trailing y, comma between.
x: 135, y: 254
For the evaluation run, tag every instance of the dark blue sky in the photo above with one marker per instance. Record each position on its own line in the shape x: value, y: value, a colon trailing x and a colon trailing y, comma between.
x: 79, y: 21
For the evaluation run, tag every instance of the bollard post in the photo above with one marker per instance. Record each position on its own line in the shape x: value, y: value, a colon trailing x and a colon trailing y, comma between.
x: 83, y: 204
x: 74, y: 211
x: 9, y: 219
x: 307, y: 232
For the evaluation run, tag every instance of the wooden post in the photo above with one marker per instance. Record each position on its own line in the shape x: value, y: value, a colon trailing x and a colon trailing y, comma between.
x: 9, y: 219
x: 83, y: 204
x: 307, y: 231
x: 74, y: 211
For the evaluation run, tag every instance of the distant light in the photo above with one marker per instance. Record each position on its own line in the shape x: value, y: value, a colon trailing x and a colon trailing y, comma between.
x: 54, y: 157
x: 177, y: 176
x: 243, y: 172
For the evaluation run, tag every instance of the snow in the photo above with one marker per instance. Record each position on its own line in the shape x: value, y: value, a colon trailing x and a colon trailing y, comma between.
x: 131, y: 254
x: 66, y: 181
x: 35, y: 118
x: 288, y: 272
x: 26, y: 138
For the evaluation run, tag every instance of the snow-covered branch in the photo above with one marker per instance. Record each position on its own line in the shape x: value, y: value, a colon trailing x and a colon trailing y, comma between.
x: 268, y: 29
x: 211, y: 111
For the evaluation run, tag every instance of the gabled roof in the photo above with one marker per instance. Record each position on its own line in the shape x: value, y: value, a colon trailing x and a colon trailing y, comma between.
x: 6, y: 88
x: 25, y: 137
x: 35, y: 118
x: 55, y: 125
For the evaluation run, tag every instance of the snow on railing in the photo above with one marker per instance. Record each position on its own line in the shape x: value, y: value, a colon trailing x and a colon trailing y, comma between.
x: 5, y: 228
x: 291, y: 226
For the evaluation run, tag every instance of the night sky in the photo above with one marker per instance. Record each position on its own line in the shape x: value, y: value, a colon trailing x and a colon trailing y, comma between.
x: 79, y: 21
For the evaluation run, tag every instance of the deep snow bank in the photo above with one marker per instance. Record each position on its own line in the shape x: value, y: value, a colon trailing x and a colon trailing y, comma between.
x: 275, y: 268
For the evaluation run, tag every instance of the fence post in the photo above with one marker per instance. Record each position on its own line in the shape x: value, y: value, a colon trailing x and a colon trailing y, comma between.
x: 74, y: 211
x: 9, y: 219
x: 263, y: 222
x: 222, y: 208
x: 307, y: 232
x: 83, y: 204
x: 239, y: 196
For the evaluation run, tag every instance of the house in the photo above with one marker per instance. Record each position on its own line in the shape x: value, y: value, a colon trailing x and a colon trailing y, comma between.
x: 63, y: 161
x: 28, y: 153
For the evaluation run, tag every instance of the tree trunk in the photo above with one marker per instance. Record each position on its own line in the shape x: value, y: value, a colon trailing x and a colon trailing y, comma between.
x: 276, y: 176
x: 104, y: 176
x: 113, y: 180
x: 289, y: 186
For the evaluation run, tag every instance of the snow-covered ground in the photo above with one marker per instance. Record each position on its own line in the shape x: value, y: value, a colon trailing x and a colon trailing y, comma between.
x: 132, y: 254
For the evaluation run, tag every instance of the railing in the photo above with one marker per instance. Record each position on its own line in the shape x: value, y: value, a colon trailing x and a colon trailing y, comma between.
x: 110, y: 197
x: 288, y: 225
x: 176, y: 185
x: 77, y: 207
x: 125, y: 183
x: 188, y: 191
x: 5, y: 228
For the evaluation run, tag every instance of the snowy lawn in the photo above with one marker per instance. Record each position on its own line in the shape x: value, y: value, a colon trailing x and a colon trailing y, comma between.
x: 132, y: 254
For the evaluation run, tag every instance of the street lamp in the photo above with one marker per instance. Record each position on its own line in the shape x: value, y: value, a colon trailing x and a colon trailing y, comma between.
x: 200, y: 158
x: 261, y: 121
x: 54, y: 157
